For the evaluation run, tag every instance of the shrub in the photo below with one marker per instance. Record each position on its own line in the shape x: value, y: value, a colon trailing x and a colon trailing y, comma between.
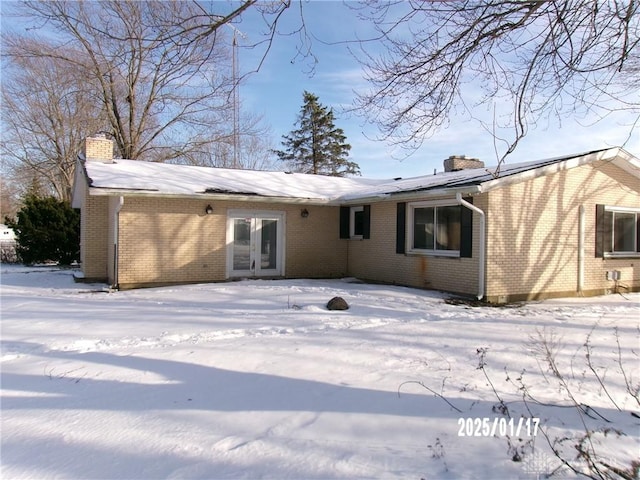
x: 47, y: 229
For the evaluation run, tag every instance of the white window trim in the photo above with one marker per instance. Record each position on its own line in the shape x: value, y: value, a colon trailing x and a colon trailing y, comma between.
x: 610, y: 208
x: 625, y: 254
x: 410, y: 231
x: 352, y: 222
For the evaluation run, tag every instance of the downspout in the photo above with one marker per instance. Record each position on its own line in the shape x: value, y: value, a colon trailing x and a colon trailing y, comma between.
x: 481, y: 259
x: 580, y: 249
x: 116, y: 230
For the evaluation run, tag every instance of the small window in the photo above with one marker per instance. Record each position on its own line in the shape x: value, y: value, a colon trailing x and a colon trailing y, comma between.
x: 435, y: 229
x: 356, y: 224
x: 617, y: 231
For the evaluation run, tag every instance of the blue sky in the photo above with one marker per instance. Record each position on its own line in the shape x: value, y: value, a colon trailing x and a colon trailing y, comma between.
x: 276, y: 93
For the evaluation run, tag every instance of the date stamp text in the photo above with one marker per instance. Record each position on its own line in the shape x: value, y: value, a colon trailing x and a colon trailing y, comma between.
x: 490, y: 427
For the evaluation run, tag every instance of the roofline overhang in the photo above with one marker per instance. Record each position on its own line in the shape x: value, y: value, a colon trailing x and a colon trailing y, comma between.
x: 114, y: 192
x: 80, y: 180
x: 629, y: 164
x: 468, y: 190
x: 608, y: 155
x: 400, y: 196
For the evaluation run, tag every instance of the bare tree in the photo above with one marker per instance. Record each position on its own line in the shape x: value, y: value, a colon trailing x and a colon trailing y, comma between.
x: 160, y: 68
x: 254, y: 144
x: 541, y: 58
x: 48, y: 108
x: 8, y: 199
x: 156, y: 76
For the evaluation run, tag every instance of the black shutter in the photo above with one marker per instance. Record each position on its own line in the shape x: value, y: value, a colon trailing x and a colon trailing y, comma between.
x: 345, y: 213
x: 466, y: 230
x: 637, y: 232
x: 401, y: 225
x: 599, y: 231
x: 366, y: 224
x: 604, y: 231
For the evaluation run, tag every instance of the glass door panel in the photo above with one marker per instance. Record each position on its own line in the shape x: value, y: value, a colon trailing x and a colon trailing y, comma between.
x: 268, y: 244
x: 242, y: 244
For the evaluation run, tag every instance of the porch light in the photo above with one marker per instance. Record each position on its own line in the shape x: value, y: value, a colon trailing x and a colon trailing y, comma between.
x: 304, y: 213
x: 208, y: 210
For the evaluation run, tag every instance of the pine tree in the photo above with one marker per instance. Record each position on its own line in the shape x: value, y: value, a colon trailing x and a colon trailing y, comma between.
x: 47, y: 229
x: 317, y: 146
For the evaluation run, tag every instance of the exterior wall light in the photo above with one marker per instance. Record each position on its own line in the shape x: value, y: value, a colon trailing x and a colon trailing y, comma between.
x: 208, y: 210
x: 304, y: 213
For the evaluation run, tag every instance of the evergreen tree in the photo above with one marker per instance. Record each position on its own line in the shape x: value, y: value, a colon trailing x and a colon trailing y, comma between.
x: 46, y: 229
x: 317, y: 146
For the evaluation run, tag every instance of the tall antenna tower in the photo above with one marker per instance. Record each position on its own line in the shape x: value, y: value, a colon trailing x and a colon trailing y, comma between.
x: 236, y: 87
x: 236, y: 103
x: 236, y: 95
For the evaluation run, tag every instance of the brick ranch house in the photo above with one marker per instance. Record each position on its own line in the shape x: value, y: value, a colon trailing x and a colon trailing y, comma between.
x: 557, y: 227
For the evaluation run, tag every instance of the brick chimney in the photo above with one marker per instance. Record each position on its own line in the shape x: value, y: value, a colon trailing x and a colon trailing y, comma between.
x: 98, y: 149
x: 460, y: 162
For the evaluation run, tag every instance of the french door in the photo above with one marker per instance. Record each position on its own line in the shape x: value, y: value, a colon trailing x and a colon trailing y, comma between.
x: 255, y: 243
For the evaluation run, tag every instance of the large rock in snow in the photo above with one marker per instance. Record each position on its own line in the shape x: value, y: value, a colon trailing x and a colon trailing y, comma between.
x: 337, y: 303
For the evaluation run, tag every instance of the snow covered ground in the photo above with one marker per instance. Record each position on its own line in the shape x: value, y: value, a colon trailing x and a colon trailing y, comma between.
x: 256, y: 379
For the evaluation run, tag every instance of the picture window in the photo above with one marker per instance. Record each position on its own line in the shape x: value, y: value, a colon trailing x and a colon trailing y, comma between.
x: 435, y: 229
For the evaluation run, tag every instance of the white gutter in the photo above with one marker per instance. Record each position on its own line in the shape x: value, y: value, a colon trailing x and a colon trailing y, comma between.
x: 481, y: 259
x: 116, y: 229
x: 401, y: 196
x: 211, y: 197
x: 328, y: 201
x: 580, y: 249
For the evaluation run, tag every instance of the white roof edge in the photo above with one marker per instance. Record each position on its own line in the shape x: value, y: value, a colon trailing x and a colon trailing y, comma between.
x: 354, y: 200
x: 79, y: 185
x: 109, y: 192
x: 630, y: 163
x: 412, y: 195
x: 610, y: 154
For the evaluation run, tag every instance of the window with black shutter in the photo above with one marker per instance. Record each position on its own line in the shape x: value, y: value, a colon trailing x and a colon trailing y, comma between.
x: 617, y: 232
x: 355, y: 222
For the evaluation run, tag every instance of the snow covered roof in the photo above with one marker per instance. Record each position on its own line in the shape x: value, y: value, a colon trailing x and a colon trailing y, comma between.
x: 486, y: 178
x: 125, y: 177
x: 135, y: 176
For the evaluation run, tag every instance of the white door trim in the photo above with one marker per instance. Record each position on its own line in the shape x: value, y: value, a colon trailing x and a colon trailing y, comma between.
x: 255, y: 216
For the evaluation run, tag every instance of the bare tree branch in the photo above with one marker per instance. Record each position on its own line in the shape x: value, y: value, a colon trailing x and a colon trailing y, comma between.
x: 48, y: 108
x: 156, y: 76
x: 543, y: 58
x: 156, y: 67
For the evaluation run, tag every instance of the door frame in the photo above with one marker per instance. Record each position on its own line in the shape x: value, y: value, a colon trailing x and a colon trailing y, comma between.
x: 255, y: 216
